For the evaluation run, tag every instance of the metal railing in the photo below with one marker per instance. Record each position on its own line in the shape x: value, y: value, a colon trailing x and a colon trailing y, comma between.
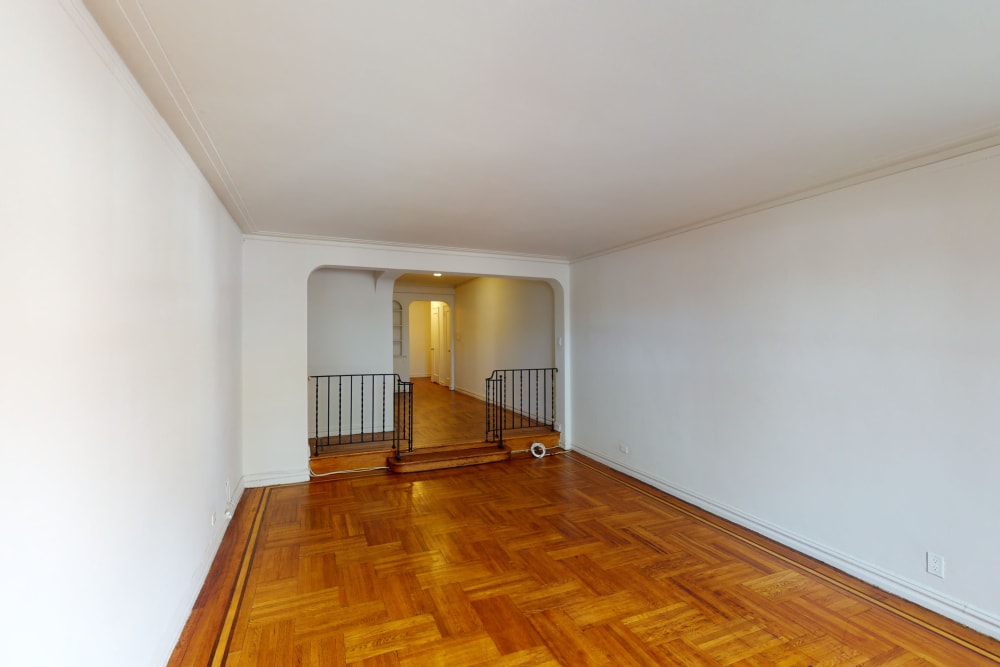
x: 403, y: 418
x: 519, y: 398
x: 361, y: 408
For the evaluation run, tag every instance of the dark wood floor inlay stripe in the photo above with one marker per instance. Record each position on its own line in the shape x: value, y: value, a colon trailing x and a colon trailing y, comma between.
x: 559, y: 560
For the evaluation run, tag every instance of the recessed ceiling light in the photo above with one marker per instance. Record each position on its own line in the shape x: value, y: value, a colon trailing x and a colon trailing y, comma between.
x: 437, y: 275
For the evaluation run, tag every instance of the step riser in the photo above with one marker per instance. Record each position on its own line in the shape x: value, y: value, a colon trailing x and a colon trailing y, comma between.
x: 520, y: 442
x: 449, y: 456
x: 446, y: 463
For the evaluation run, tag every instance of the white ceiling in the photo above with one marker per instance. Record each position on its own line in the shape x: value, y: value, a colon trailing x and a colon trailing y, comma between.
x: 560, y: 128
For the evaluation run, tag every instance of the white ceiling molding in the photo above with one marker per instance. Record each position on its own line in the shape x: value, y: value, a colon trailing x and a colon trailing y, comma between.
x: 180, y: 111
x: 553, y: 129
x: 973, y: 147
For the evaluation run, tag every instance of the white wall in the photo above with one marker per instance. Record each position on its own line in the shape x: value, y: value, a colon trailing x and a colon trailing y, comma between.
x: 275, y: 306
x: 350, y: 332
x: 501, y: 323
x: 827, y: 372
x: 350, y: 324
x: 119, y: 394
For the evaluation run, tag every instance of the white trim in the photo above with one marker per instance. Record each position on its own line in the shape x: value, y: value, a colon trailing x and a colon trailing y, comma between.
x: 984, y: 138
x: 957, y: 610
x: 473, y: 394
x: 357, y: 244
x: 182, y: 612
x: 278, y: 477
x: 237, y: 492
x: 170, y: 85
x: 986, y: 142
x: 102, y: 46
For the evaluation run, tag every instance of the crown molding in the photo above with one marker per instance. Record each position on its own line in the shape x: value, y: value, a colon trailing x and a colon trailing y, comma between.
x: 219, y: 177
x: 355, y: 244
x: 973, y: 145
x: 976, y: 146
x: 167, y: 83
x: 98, y: 41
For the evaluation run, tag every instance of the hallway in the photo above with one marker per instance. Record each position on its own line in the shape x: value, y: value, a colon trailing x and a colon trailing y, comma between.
x: 445, y: 417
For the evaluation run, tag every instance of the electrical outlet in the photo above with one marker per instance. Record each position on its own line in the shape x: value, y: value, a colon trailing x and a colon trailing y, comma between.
x: 213, y: 518
x: 623, y: 449
x: 935, y: 564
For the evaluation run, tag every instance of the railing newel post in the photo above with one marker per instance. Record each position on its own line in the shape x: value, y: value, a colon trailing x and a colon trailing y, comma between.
x: 505, y: 393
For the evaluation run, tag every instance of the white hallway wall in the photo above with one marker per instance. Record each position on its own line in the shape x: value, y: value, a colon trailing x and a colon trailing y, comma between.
x: 350, y: 332
x: 119, y: 396
x: 350, y: 323
x: 827, y: 371
x: 501, y: 323
x: 275, y: 332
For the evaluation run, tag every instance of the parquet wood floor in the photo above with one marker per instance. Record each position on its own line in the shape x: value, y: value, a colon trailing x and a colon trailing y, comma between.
x: 553, y: 561
x: 442, y: 416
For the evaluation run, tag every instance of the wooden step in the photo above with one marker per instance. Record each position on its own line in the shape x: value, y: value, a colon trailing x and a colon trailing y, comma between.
x: 349, y: 461
x: 521, y: 442
x: 375, y: 456
x: 448, y: 457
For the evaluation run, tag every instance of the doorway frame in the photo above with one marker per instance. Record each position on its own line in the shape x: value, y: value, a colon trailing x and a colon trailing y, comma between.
x: 409, y: 294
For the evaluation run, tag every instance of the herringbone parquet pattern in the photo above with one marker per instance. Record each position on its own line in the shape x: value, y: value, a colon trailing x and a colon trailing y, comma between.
x: 544, y: 562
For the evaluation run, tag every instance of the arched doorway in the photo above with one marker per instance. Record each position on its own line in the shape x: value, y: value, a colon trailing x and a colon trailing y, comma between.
x: 429, y: 341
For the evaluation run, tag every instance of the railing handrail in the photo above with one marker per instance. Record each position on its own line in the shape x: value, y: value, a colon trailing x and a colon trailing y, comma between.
x: 365, y: 388
x: 512, y: 370
x: 507, y: 409
x: 355, y: 375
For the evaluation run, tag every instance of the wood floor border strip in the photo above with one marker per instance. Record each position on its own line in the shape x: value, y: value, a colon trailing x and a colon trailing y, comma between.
x: 664, y: 498
x: 222, y: 643
x: 239, y: 586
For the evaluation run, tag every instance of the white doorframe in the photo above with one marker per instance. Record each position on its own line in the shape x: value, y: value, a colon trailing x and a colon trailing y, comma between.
x: 435, y: 341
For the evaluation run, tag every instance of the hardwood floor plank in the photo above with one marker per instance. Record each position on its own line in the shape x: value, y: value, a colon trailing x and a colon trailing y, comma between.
x: 365, y: 642
x: 507, y: 624
x: 454, y: 611
x: 536, y: 656
x: 403, y: 595
x: 332, y: 620
x: 454, y: 650
x: 566, y: 640
x: 542, y: 561
x: 626, y: 649
x: 667, y: 623
x: 321, y: 652
x: 591, y: 611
